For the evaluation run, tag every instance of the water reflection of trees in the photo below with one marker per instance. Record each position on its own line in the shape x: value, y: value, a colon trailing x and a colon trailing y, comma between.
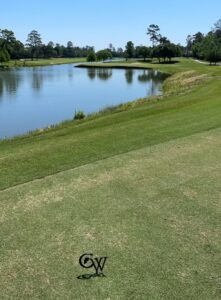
x: 37, y: 80
x: 91, y: 72
x: 149, y: 75
x: 1, y: 86
x: 9, y: 82
x: 104, y: 74
x: 155, y: 78
x: 129, y: 74
x: 11, y: 79
x: 71, y: 73
x: 101, y: 73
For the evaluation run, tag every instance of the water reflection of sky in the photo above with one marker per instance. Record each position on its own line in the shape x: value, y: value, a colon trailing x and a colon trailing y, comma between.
x: 33, y: 98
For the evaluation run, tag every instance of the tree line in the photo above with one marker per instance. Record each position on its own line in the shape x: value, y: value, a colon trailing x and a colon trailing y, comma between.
x: 162, y: 49
x: 200, y: 46
x: 205, y: 46
x: 11, y: 48
x: 34, y: 48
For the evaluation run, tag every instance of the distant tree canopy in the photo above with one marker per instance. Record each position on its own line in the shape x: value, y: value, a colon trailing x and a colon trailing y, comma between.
x: 91, y: 57
x: 211, y: 49
x: 8, y: 44
x: 166, y: 51
x: 34, y: 42
x: 154, y: 32
x: 130, y: 51
x: 34, y: 48
x: 103, y: 55
x: 200, y: 46
x: 162, y: 48
x: 206, y: 47
x: 4, y: 56
x: 143, y: 51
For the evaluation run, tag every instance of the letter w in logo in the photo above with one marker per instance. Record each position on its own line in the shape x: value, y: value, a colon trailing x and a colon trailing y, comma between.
x: 99, y: 263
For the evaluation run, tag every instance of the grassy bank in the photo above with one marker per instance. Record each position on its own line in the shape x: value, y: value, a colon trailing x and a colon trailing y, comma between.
x: 179, y: 65
x: 45, y: 62
x: 139, y: 185
x: 77, y: 143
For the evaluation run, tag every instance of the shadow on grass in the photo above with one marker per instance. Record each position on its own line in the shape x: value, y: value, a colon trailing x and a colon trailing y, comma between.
x: 172, y: 62
x: 149, y: 61
x: 89, y: 276
x: 145, y: 61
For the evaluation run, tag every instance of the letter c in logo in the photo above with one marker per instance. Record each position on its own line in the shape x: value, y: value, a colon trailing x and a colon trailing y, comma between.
x: 84, y: 260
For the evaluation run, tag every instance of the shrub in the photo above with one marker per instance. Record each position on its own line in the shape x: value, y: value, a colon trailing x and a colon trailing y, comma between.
x: 79, y: 115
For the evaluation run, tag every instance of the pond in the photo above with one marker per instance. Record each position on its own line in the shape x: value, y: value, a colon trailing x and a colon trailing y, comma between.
x: 34, y: 98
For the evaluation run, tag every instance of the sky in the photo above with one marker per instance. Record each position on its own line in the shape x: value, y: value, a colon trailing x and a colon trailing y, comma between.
x: 99, y: 23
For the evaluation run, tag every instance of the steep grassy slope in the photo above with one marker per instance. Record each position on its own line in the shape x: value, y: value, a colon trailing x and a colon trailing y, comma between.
x: 73, y: 144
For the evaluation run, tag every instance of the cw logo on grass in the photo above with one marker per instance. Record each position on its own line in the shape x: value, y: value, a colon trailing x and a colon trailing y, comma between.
x: 87, y: 261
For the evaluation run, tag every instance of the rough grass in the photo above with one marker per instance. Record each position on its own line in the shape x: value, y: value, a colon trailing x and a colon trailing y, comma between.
x: 183, y: 81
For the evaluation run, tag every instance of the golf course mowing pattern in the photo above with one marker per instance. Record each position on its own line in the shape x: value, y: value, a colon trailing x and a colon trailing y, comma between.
x: 77, y: 143
x: 155, y: 212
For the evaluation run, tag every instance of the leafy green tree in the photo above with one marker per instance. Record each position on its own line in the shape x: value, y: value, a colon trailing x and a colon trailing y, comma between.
x: 143, y: 52
x: 103, y: 55
x: 18, y: 50
x: 217, y: 25
x: 189, y: 43
x: 34, y: 42
x: 196, y: 44
x: 211, y: 49
x: 163, y: 40
x: 91, y: 57
x: 59, y: 50
x: 156, y: 53
x: 70, y: 44
x: 213, y: 55
x: 197, y: 50
x: 197, y: 38
x: 166, y: 51
x: 69, y: 51
x: 48, y: 51
x: 154, y: 32
x: 7, y: 35
x: 8, y: 40
x: 4, y: 56
x: 129, y: 50
x: 172, y: 51
x: 217, y: 29
x: 51, y: 44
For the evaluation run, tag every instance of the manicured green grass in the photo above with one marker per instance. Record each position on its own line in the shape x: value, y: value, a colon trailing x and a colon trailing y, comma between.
x: 155, y: 212
x: 46, y: 62
x: 140, y: 185
x: 182, y: 65
x: 76, y: 143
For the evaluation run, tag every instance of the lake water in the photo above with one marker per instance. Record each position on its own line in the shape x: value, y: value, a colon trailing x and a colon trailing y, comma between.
x: 33, y: 98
